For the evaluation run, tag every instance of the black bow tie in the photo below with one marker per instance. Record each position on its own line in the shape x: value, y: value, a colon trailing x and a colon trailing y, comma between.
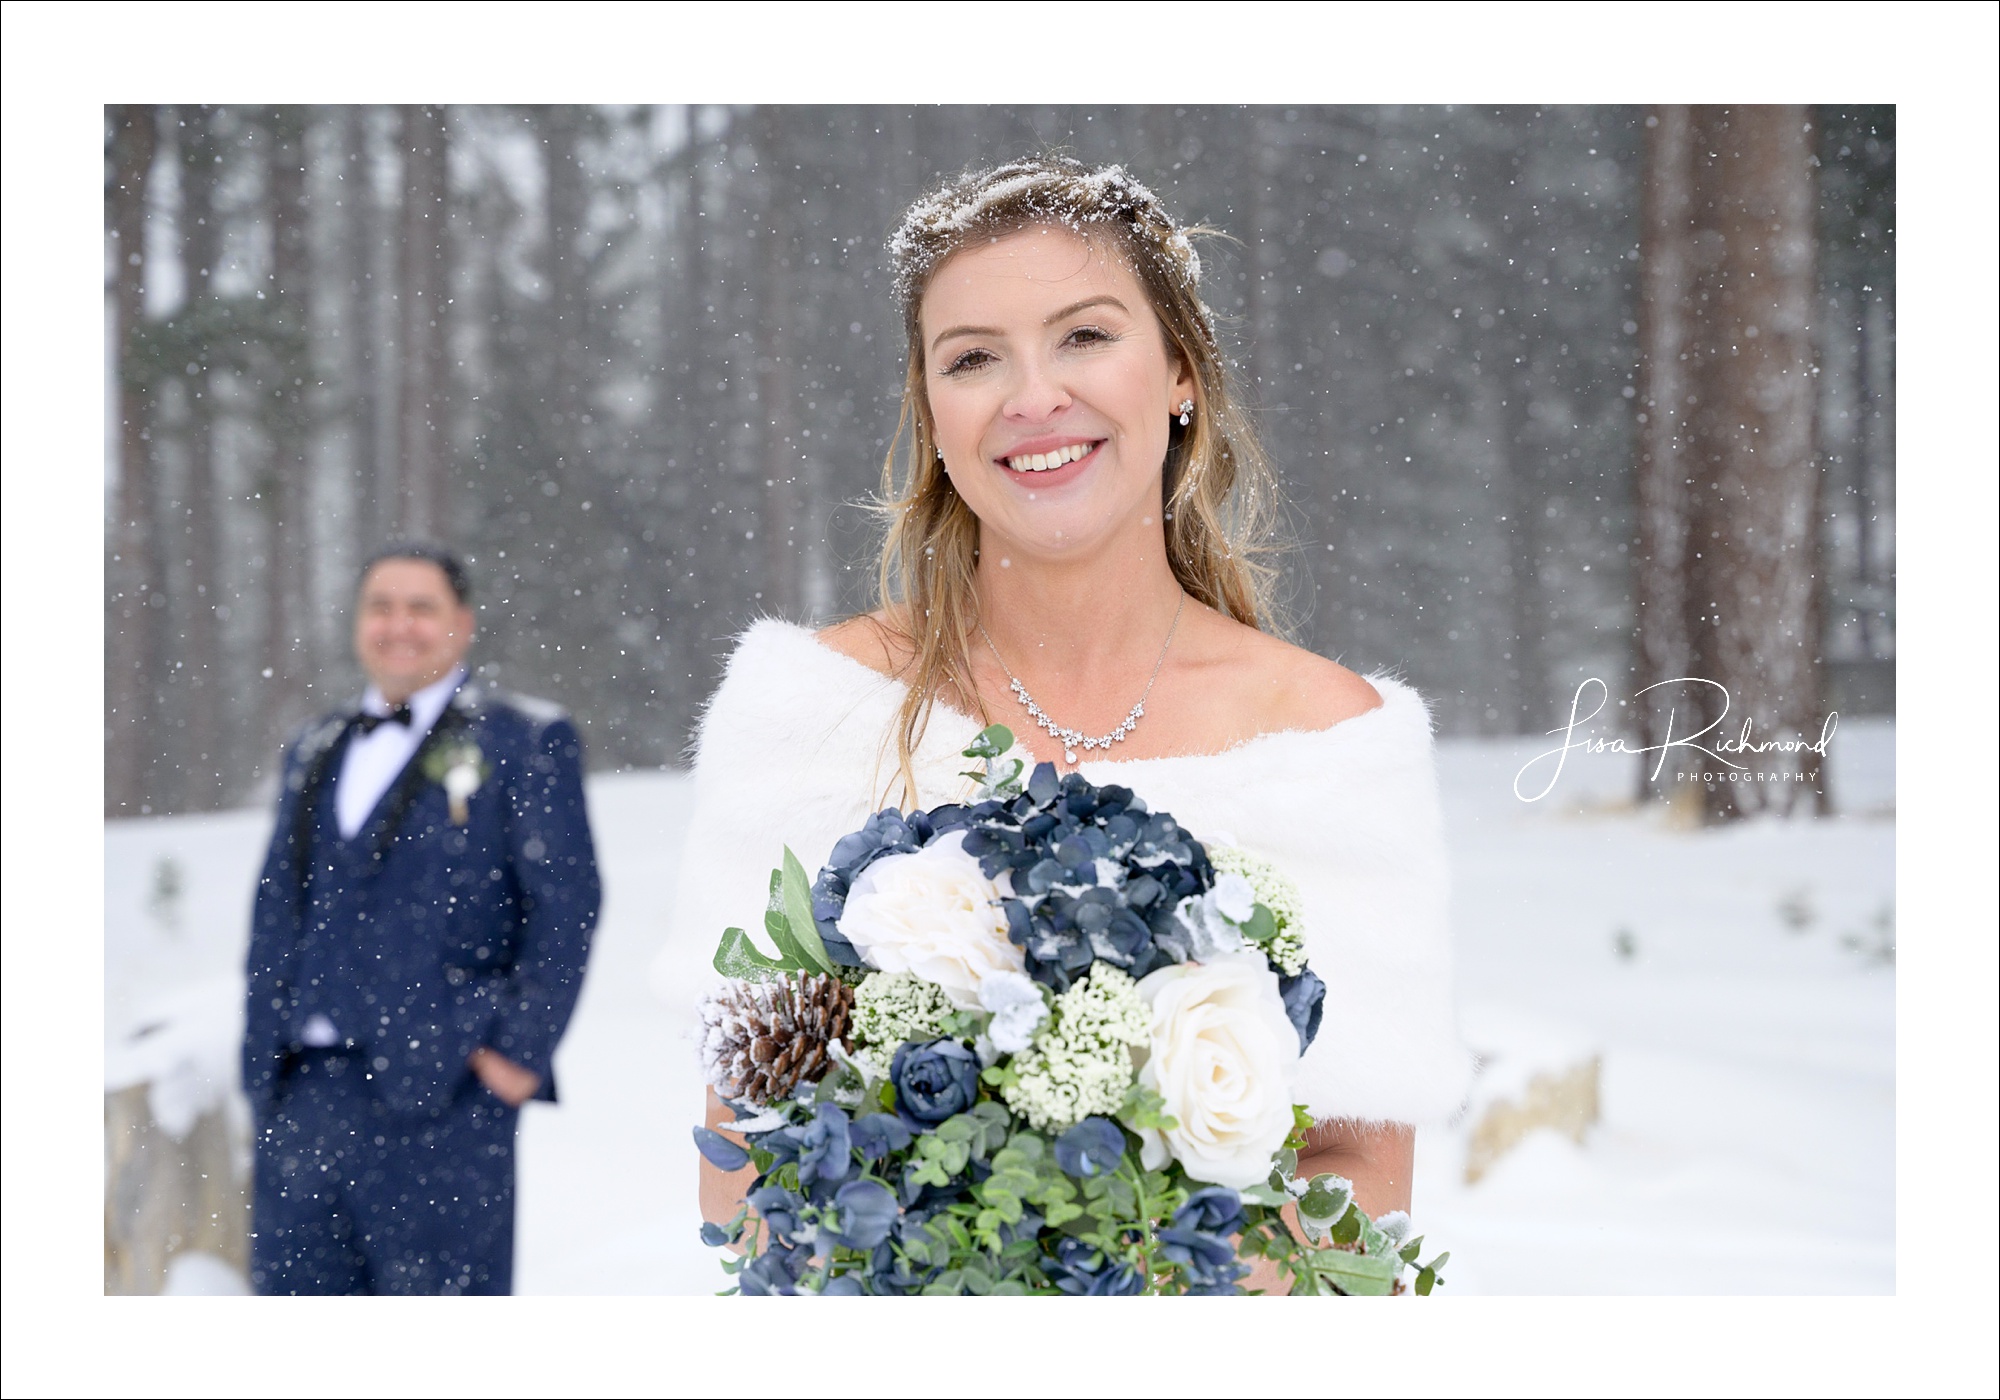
x: 366, y: 722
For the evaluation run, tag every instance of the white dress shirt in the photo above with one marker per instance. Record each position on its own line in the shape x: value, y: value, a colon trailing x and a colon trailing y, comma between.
x: 374, y: 760
x: 372, y: 763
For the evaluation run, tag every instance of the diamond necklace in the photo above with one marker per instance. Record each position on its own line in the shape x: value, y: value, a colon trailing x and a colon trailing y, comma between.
x: 1073, y: 739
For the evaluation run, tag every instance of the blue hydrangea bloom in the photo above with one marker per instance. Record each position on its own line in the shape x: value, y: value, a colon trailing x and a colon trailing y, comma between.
x: 1095, y: 876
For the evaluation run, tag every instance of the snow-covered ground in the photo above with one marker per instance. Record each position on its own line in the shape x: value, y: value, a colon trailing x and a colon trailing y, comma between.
x: 1737, y: 985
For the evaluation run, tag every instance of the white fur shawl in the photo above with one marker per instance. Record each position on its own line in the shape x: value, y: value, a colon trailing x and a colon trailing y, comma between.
x: 792, y: 752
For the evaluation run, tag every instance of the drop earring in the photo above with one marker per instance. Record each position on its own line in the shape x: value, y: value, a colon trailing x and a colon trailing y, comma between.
x: 1187, y: 411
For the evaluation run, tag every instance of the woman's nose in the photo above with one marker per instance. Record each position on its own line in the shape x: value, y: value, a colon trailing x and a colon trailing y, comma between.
x: 1037, y: 394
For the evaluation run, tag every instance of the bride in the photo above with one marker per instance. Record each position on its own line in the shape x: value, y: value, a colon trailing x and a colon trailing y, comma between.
x: 1075, y: 546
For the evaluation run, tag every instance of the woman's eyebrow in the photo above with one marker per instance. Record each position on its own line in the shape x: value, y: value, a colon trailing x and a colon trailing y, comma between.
x: 1104, y: 300
x: 943, y: 336
x: 1066, y: 312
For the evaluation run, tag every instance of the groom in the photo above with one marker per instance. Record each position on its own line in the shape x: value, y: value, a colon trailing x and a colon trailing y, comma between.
x: 418, y: 942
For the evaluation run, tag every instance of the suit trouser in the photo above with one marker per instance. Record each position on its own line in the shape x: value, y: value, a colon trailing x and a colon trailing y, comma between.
x: 351, y: 1198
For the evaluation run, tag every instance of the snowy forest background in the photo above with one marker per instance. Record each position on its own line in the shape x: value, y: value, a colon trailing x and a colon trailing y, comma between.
x: 641, y: 364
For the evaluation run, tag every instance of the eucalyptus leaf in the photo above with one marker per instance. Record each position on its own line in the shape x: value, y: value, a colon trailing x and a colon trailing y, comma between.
x: 799, y: 913
x: 1260, y: 927
x: 1359, y: 1275
x: 737, y: 956
x: 1265, y: 1194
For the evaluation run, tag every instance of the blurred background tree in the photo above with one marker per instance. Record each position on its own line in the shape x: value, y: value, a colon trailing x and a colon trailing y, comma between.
x: 642, y: 365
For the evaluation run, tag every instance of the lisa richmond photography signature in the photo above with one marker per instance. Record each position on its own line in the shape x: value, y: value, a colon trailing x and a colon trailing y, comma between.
x: 1686, y: 745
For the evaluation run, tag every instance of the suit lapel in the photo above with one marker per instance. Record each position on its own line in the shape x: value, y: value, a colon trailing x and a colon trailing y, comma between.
x: 318, y: 753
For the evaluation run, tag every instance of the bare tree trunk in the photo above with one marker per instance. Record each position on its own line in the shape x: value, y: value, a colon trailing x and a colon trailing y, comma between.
x: 288, y: 552
x: 1755, y: 499
x: 1664, y: 651
x: 780, y: 341
x: 422, y: 503
x: 205, y: 775
x: 353, y: 274
x: 133, y: 646
x: 1527, y: 600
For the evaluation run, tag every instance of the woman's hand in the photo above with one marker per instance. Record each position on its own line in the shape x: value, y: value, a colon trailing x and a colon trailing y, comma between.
x: 1376, y: 1157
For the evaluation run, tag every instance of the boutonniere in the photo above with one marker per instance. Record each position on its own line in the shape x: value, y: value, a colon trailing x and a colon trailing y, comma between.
x: 459, y: 768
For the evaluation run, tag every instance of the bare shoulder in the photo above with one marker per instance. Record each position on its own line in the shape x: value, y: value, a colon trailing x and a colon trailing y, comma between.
x: 873, y: 639
x: 1287, y: 687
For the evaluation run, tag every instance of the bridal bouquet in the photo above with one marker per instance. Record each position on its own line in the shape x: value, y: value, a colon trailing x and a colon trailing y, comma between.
x: 1042, y: 1042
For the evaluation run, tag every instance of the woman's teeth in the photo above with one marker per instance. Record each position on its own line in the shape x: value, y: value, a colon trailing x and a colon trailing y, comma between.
x: 1049, y: 461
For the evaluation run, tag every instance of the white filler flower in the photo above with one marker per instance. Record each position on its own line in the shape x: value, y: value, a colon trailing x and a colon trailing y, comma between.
x: 1222, y: 1053
x: 932, y: 913
x: 1015, y: 999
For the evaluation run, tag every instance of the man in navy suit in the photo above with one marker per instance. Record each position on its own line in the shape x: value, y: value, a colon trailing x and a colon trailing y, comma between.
x: 419, y: 940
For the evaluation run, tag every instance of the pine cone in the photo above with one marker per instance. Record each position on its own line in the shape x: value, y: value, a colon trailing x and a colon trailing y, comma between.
x: 760, y: 1039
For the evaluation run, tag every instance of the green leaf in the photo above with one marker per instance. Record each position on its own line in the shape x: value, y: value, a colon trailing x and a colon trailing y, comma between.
x: 1261, y: 926
x: 1145, y: 1108
x: 1347, y: 1229
x: 1339, y: 1188
x: 1265, y: 1194
x: 799, y: 913
x: 991, y: 742
x: 1426, y: 1281
x: 1358, y: 1275
x: 737, y: 956
x: 1324, y: 1205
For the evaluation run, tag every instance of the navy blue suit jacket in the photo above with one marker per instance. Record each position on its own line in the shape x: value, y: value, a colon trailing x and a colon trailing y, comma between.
x: 424, y: 939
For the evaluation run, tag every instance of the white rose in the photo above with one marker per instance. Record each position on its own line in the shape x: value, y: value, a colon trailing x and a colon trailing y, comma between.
x: 932, y: 913
x: 1222, y: 1053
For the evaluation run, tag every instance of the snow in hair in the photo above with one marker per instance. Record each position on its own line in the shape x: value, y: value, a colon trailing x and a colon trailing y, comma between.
x: 1054, y: 190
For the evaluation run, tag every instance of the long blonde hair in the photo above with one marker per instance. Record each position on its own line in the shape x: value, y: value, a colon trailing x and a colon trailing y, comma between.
x: 1219, y: 497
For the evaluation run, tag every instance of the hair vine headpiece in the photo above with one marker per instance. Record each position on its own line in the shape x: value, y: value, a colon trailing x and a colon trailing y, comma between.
x: 1057, y: 190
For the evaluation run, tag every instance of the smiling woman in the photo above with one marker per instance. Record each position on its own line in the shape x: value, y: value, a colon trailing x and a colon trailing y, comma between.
x: 1080, y: 528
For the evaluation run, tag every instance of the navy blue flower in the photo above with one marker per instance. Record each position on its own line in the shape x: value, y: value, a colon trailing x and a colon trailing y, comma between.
x: 1209, y: 1260
x: 778, y: 1209
x: 842, y: 1286
x: 1305, y: 1002
x: 826, y: 1149
x: 890, y: 1272
x: 934, y: 1080
x: 876, y: 1135
x: 776, y: 1271
x: 1091, y: 1148
x: 1198, y: 1239
x: 1216, y: 1209
x: 719, y: 1150
x: 863, y: 1213
x: 1082, y: 1271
